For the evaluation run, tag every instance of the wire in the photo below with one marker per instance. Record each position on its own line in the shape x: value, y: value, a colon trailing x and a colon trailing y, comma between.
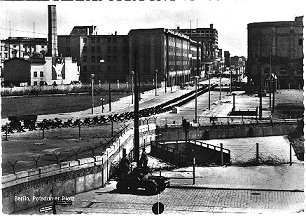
x: 22, y: 31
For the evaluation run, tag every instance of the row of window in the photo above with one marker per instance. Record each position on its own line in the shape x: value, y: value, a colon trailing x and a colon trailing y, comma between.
x: 98, y: 58
x: 41, y: 74
x: 93, y: 68
x: 100, y: 40
x: 98, y: 49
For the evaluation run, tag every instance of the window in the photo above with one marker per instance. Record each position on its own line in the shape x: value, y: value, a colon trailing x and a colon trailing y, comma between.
x: 98, y: 58
x: 109, y: 49
x: 93, y: 68
x: 115, y: 49
x: 109, y: 58
x: 282, y: 71
x: 41, y: 74
x: 35, y: 73
x: 84, y: 40
x: 35, y: 83
x: 93, y: 49
x: 98, y: 67
x: 93, y: 58
x: 98, y: 49
x: 108, y: 40
x: 300, y: 41
x: 84, y: 68
x: 84, y: 49
x: 42, y: 46
x: 98, y: 40
x: 93, y: 40
x: 68, y: 49
x: 115, y: 58
x: 84, y: 58
x: 114, y: 40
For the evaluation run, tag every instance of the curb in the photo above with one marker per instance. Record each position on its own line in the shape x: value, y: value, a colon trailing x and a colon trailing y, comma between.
x: 221, y: 188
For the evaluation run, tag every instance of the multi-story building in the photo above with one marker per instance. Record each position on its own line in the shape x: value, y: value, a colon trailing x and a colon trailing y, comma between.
x: 19, y: 47
x: 227, y: 59
x: 276, y: 48
x: 172, y: 55
x: 106, y: 56
x: 208, y: 37
x: 238, y: 64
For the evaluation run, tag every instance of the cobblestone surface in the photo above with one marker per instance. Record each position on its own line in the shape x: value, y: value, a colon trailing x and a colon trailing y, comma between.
x: 184, y: 200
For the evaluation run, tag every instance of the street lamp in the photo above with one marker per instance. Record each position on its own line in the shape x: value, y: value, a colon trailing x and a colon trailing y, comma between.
x: 208, y: 91
x: 156, y: 71
x: 220, y: 84
x: 92, y: 92
x: 196, y: 100
x: 132, y: 78
x: 102, y: 107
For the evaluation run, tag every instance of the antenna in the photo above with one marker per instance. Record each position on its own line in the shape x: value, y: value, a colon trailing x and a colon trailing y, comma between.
x: 10, y: 29
x: 33, y: 29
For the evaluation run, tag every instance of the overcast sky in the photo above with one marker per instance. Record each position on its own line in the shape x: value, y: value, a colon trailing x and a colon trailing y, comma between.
x: 230, y: 17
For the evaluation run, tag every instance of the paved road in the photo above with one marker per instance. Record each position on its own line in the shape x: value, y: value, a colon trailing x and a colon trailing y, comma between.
x: 183, y: 201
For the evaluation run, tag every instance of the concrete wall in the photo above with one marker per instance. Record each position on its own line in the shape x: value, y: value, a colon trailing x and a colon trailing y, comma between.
x: 228, y: 131
x: 67, y: 178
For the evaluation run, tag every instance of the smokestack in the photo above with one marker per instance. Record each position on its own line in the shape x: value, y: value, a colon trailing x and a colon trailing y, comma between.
x: 52, y: 31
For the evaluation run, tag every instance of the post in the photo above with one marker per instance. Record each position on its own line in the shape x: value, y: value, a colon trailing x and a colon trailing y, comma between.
x: 160, y: 171
x: 132, y: 86
x: 196, y: 100
x: 43, y: 133
x: 234, y: 101
x: 156, y: 82
x: 290, y: 152
x: 220, y: 85
x: 165, y: 83
x: 222, y: 160
x: 109, y: 94
x: 257, y: 153
x: 208, y: 91
x: 260, y: 96
x: 80, y: 129
x: 102, y: 104
x: 92, y: 93
x: 112, y: 128
x: 193, y: 172
x: 136, y: 110
x: 6, y: 131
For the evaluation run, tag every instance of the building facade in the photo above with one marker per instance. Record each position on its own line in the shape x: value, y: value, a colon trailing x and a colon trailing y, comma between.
x: 20, y: 47
x: 39, y: 71
x: 171, y: 56
x: 208, y: 37
x: 276, y: 48
x: 106, y: 56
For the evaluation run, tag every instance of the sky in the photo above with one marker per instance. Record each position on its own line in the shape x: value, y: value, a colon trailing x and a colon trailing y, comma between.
x: 229, y: 17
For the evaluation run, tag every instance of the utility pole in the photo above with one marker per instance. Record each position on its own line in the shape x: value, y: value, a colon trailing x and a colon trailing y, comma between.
x: 136, y: 110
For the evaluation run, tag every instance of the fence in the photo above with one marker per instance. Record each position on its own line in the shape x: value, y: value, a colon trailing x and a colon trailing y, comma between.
x: 66, y: 178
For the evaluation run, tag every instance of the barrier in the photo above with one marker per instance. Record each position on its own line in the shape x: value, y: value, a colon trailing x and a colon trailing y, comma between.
x: 19, y: 190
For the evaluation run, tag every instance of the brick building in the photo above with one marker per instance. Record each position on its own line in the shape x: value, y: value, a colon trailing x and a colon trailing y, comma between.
x: 88, y: 49
x: 174, y: 56
x: 276, y: 46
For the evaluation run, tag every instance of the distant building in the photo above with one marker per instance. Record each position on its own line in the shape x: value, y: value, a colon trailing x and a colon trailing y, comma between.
x: 276, y: 46
x: 88, y: 49
x: 39, y: 71
x: 227, y: 59
x: 208, y: 37
x: 238, y: 64
x: 174, y: 56
x: 19, y: 47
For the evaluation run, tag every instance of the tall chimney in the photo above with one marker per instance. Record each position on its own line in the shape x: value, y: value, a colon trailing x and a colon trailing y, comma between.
x: 52, y: 31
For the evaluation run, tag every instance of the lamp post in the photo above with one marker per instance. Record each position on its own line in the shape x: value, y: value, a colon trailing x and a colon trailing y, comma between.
x: 156, y: 71
x: 132, y: 78
x: 220, y: 84
x: 102, y: 107
x: 196, y: 100
x: 208, y: 91
x: 109, y: 92
x: 92, y: 76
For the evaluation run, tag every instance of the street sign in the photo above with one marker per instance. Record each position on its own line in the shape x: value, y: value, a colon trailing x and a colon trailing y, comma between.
x: 46, y: 209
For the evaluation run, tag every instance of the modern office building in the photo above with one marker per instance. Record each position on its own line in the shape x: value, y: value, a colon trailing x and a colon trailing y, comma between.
x: 276, y: 48
x: 170, y: 54
x: 106, y: 56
